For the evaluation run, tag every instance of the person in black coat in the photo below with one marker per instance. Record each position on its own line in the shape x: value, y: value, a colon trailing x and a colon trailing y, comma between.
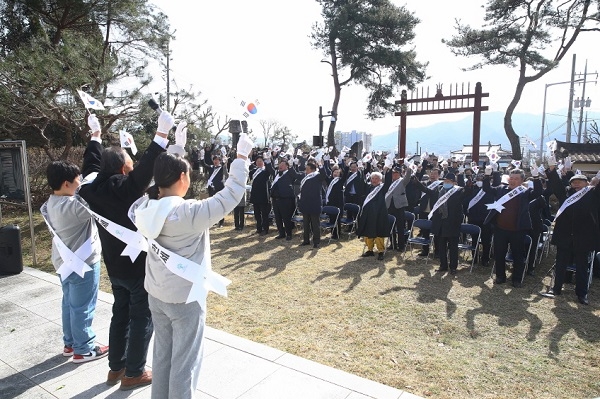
x: 334, y: 193
x: 427, y: 201
x: 260, y: 194
x: 576, y: 231
x: 354, y: 183
x: 284, y: 203
x: 476, y: 210
x: 116, y: 187
x: 511, y: 221
x: 536, y: 207
x: 446, y: 216
x: 373, y: 219
x: 310, y: 204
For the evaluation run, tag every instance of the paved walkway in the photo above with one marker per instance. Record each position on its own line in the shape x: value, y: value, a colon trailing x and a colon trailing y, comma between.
x: 31, y: 365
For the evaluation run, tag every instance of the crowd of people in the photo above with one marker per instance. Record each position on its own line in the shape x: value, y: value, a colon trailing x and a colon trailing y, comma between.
x: 155, y: 243
x: 510, y: 207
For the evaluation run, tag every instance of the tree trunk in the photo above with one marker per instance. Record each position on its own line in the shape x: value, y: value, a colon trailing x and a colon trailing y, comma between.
x: 336, y: 99
x: 513, y: 138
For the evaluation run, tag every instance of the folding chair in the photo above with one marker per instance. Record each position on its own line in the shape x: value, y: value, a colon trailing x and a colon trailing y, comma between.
x: 467, y: 231
x: 391, y: 225
x: 548, y: 238
x: 573, y: 269
x: 333, y: 215
x: 413, y: 239
x: 509, y: 258
x: 346, y: 221
x: 297, y: 219
x: 542, y: 244
x: 409, y: 218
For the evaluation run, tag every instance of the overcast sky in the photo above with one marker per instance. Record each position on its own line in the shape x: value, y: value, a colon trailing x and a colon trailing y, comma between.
x: 235, y: 50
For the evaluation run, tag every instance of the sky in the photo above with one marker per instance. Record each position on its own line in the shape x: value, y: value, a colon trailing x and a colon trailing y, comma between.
x: 234, y: 50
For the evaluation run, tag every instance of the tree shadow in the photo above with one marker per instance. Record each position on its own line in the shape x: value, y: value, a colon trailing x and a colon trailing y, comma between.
x: 353, y: 271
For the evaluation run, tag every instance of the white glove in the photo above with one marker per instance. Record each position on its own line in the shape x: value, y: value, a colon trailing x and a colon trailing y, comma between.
x: 202, y: 153
x: 488, y: 170
x: 181, y: 134
x: 494, y: 166
x: 93, y: 123
x: 532, y: 163
x: 535, y: 172
x: 551, y: 160
x: 267, y: 155
x: 326, y: 157
x: 296, y: 161
x: 244, y: 145
x: 541, y: 170
x: 165, y: 122
x: 568, y: 163
x: 461, y: 169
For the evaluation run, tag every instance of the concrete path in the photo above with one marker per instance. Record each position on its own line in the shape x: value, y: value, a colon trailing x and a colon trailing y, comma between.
x: 32, y: 366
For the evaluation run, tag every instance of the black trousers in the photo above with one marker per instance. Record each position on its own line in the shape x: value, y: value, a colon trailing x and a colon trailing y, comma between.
x: 566, y: 256
x: 238, y: 216
x: 261, y: 215
x: 448, y: 250
x: 516, y: 239
x: 311, y: 222
x: 283, y: 208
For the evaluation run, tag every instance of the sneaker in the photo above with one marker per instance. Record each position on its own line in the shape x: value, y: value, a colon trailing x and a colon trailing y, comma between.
x: 68, y: 351
x: 128, y: 383
x: 115, y: 376
x: 97, y: 353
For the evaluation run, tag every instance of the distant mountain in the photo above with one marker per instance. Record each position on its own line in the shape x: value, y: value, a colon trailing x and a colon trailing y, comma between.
x: 442, y: 138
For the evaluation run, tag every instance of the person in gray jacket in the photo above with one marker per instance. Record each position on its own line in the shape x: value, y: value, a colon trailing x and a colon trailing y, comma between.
x: 396, y: 203
x: 178, y: 272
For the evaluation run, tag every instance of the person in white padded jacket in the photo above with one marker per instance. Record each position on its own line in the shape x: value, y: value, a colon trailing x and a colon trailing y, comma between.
x: 178, y: 272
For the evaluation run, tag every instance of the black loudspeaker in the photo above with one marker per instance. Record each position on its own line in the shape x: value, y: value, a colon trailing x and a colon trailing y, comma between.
x: 235, y: 126
x: 11, y: 257
x: 317, y: 141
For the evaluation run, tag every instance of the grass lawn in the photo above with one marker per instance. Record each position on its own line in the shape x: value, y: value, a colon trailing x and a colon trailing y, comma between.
x: 397, y: 321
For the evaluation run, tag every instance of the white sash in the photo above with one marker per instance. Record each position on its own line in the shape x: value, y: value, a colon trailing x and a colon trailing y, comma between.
x: 351, y: 177
x: 476, y: 199
x: 372, y: 194
x: 135, y: 241
x: 308, y: 177
x: 72, y: 261
x: 573, y: 199
x: 202, y: 277
x: 443, y: 199
x: 330, y: 187
x: 257, y: 172
x: 505, y: 198
x: 392, y: 187
x: 210, y: 179
x: 432, y: 186
x: 277, y: 176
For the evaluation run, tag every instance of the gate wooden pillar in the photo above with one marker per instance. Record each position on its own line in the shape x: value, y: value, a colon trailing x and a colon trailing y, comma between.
x: 422, y: 104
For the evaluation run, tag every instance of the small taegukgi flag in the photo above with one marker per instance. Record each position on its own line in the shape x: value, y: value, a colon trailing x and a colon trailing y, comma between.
x: 89, y: 101
x: 250, y: 108
x: 127, y: 141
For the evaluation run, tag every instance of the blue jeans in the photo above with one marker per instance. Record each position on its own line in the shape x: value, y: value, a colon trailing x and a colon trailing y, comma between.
x: 178, y: 346
x: 130, y: 327
x: 78, y: 308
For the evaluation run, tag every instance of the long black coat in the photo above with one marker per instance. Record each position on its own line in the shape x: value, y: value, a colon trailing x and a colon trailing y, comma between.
x: 284, y: 187
x: 310, y: 201
x: 577, y: 225
x: 260, y: 192
x: 450, y: 226
x: 336, y: 196
x: 373, y: 220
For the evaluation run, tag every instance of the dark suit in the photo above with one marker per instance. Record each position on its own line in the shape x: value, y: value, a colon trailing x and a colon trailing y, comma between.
x: 336, y: 195
x: 310, y: 205
x: 576, y: 234
x: 514, y: 236
x: 260, y: 197
x: 355, y: 190
x: 284, y: 203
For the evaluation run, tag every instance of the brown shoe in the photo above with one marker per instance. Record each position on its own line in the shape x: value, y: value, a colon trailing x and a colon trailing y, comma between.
x: 115, y: 376
x: 128, y: 383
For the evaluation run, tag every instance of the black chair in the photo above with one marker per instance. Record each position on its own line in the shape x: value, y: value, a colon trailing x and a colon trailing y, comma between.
x: 409, y: 218
x: 414, y: 239
x: 346, y: 221
x: 509, y: 258
x: 467, y: 232
x: 573, y: 269
x: 333, y: 214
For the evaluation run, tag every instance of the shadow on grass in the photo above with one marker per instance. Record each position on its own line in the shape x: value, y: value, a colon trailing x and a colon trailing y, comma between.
x: 354, y: 271
x: 572, y: 316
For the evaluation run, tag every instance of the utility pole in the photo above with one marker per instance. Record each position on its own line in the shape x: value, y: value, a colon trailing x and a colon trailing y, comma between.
x: 571, y: 93
x: 168, y: 79
x: 417, y: 152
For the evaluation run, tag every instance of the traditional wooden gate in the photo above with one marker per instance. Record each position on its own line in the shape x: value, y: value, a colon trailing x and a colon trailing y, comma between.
x: 422, y: 104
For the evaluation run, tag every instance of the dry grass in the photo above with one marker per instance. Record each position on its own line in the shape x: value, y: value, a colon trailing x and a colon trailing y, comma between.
x: 398, y: 322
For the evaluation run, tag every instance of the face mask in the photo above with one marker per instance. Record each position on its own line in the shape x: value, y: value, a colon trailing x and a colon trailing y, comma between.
x: 479, y: 184
x: 448, y: 185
